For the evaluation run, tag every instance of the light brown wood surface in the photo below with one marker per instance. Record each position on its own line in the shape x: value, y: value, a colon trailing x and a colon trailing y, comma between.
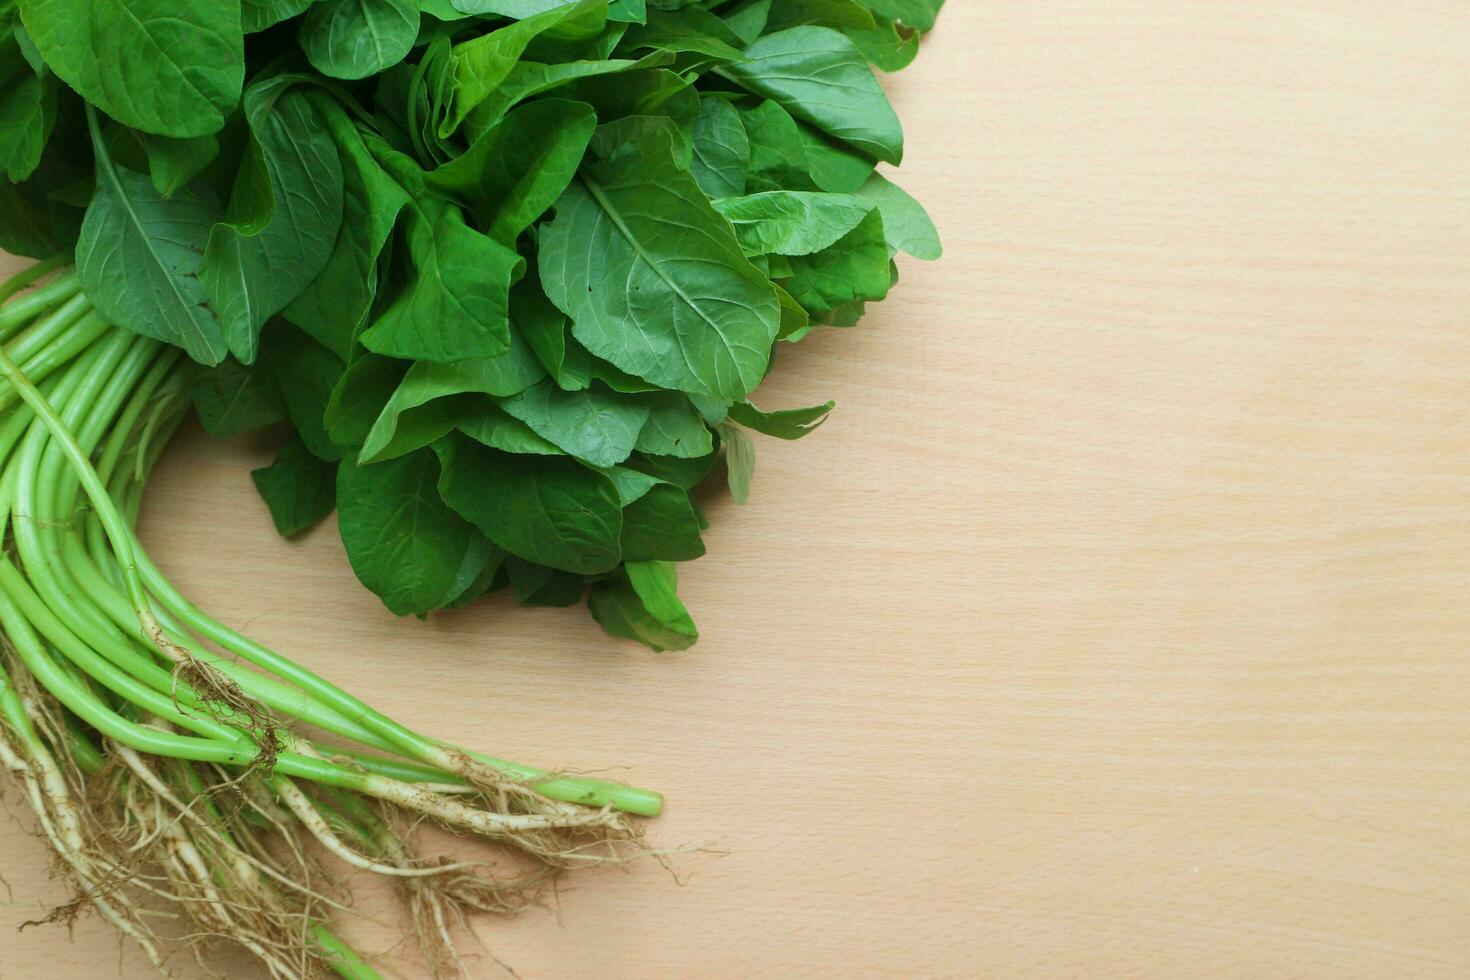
x: 1116, y: 625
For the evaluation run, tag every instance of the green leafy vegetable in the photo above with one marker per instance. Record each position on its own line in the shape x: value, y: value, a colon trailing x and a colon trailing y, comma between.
x: 155, y: 65
x: 513, y: 271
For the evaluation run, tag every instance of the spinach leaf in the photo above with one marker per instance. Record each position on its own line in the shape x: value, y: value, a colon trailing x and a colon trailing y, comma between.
x: 595, y: 425
x: 283, y: 218
x: 514, y: 172
x: 156, y: 65
x: 299, y: 489
x: 457, y: 304
x: 489, y: 425
x: 481, y: 65
x: 334, y: 308
x: 654, y: 280
x: 855, y: 269
x: 235, y: 398
x: 799, y: 68
x: 674, y: 428
x: 404, y: 543
x: 258, y: 15
x: 140, y: 256
x: 905, y: 222
x: 739, y: 462
x: 662, y: 525
x: 789, y: 424
x: 353, y: 39
x: 792, y: 222
x: 643, y: 605
x: 721, y: 149
x: 428, y: 382
x: 546, y: 509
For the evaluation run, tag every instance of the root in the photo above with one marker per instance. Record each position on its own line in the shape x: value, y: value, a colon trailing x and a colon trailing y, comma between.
x: 224, y: 698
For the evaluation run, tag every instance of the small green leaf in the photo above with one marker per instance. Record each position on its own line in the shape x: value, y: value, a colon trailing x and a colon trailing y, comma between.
x: 299, y: 489
x: 511, y: 175
x: 480, y: 66
x: 257, y: 15
x: 306, y: 374
x: 675, y: 428
x: 643, y: 605
x: 662, y: 525
x: 739, y: 462
x: 335, y: 306
x: 457, y: 304
x: 427, y: 383
x: 489, y: 425
x: 173, y: 163
x: 235, y: 398
x: 802, y: 67
x: 404, y: 543
x: 905, y: 222
x: 856, y: 269
x: 789, y: 424
x: 792, y: 222
x: 353, y: 39
x: 721, y: 149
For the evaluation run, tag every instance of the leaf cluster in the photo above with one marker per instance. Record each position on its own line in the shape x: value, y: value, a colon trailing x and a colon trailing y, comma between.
x: 512, y: 270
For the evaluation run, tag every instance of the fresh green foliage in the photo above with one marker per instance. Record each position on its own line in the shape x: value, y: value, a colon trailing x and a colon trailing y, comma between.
x: 512, y: 270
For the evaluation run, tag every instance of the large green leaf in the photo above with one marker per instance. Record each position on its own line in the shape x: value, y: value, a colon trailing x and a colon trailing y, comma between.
x: 802, y: 68
x: 457, y: 304
x: 353, y: 39
x: 403, y: 541
x: 161, y: 66
x: 479, y: 66
x: 596, y: 425
x: 140, y: 255
x: 513, y: 173
x: 547, y: 509
x: 654, y: 280
x: 427, y: 383
x: 335, y: 306
x: 284, y: 216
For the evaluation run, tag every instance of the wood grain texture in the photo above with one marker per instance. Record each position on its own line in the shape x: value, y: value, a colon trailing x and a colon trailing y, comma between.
x: 1115, y: 626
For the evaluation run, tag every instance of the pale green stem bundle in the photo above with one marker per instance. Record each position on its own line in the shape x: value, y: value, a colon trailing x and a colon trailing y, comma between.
x: 160, y: 749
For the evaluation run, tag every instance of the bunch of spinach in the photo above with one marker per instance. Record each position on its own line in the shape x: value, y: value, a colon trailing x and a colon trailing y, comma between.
x: 513, y: 270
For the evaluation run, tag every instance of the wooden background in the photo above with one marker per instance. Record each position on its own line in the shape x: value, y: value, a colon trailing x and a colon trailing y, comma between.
x: 1115, y: 626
